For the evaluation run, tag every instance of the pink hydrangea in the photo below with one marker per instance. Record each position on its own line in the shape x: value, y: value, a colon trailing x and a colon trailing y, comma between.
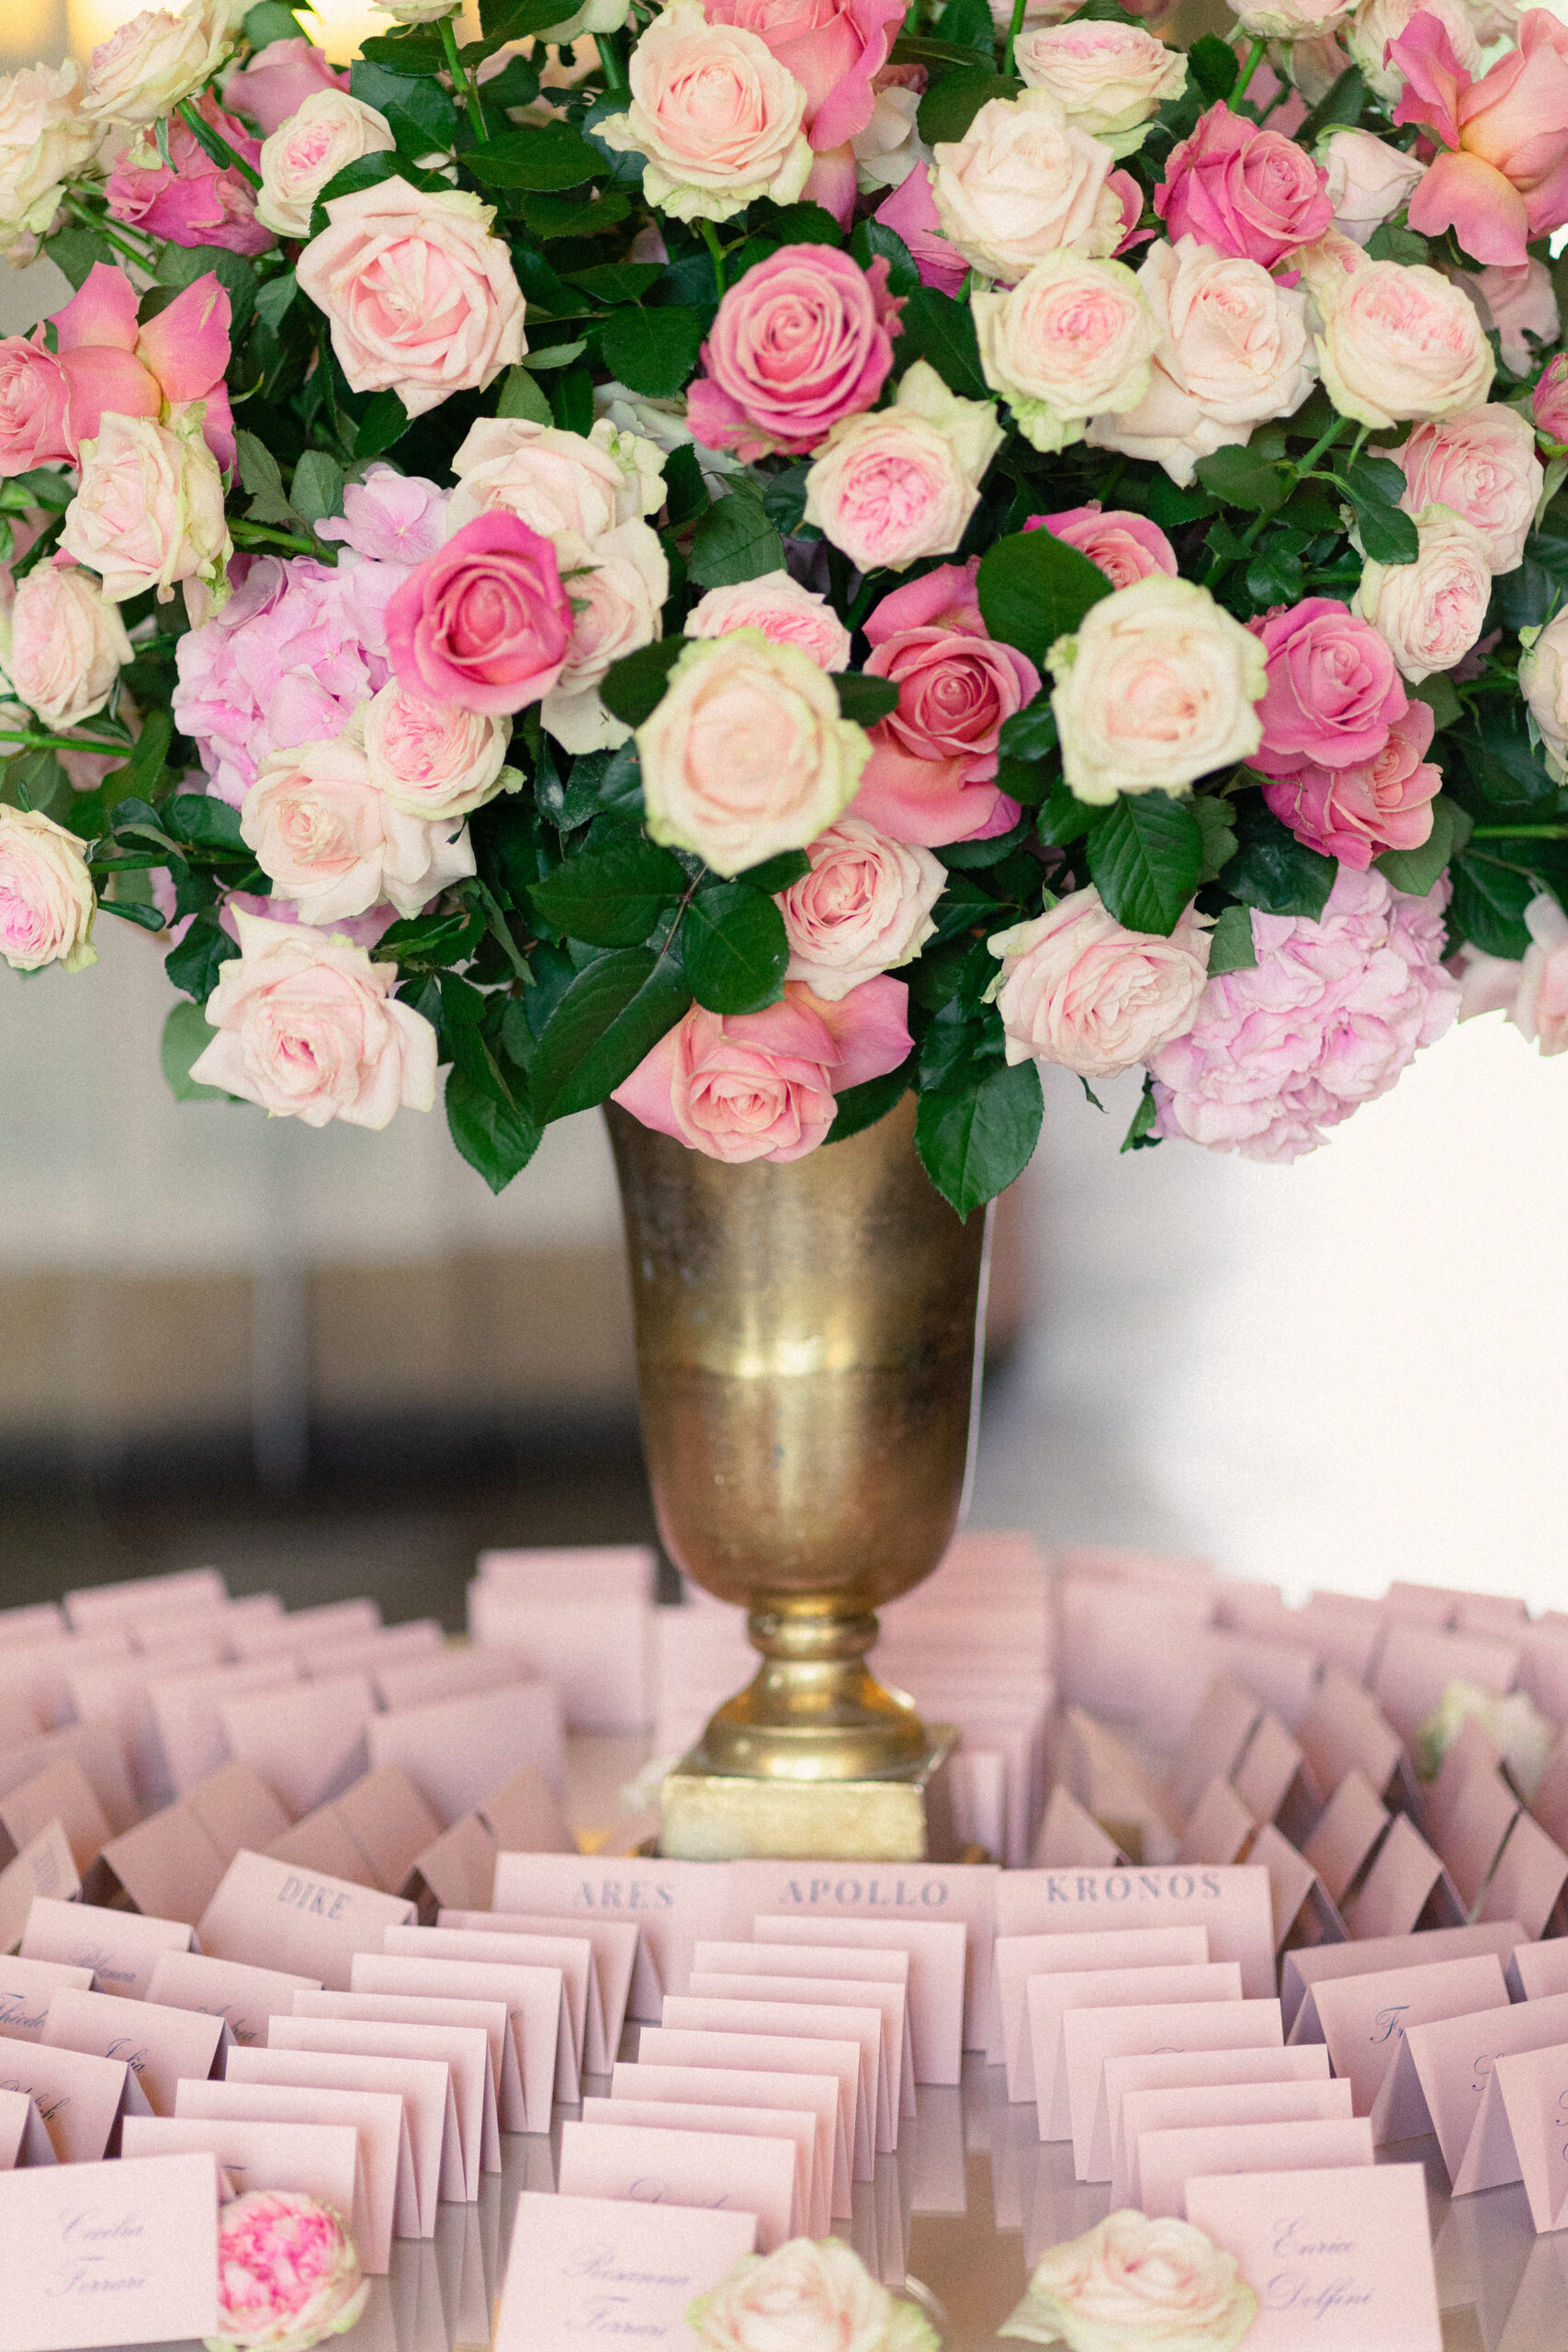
x: 198, y: 202
x: 1326, y: 1020
x: 390, y: 518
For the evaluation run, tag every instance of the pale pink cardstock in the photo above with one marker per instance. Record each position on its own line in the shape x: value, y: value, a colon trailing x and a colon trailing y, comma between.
x: 1215, y: 1742
x: 488, y: 2018
x: 93, y: 1606
x: 273, y: 1916
x: 457, y: 1751
x: 308, y: 1743
x: 1536, y: 1970
x: 61, y: 1792
x: 858, y: 2027
x: 828, y: 1993
x: 424, y: 2086
x: 1070, y: 1837
x: 109, y: 2253
x: 1050, y: 1998
x: 307, y: 1630
x: 582, y: 2264
x: 1168, y: 2160
x: 596, y: 1651
x: 1273, y: 1783
x: 1345, y: 1729
x: 387, y: 2205
x: 1406, y: 1888
x: 1017, y: 1958
x: 187, y: 1718
x: 1363, y: 2019
x: 937, y: 1953
x: 1230, y: 1900
x: 1091, y: 2038
x: 582, y: 2012
x: 1303, y: 1971
x: 119, y: 1947
x: 23, y: 2139
x: 173, y: 1864
x: 534, y: 2003
x: 444, y: 1674
x: 773, y: 2053
x: 1345, y: 1834
x: 1341, y: 2258
x: 845, y: 1964
x: 81, y: 2099
x: 1532, y: 2086
x: 672, y: 1902
x: 44, y: 1868
x: 1219, y: 1828
x: 1418, y: 1662
x: 1482, y: 1812
x: 1301, y: 1903
x: 243, y: 1998
x: 1530, y: 1882
x: 615, y: 1946
x: 795, y: 2126
x: 118, y: 1688
x: 27, y: 1988
x: 1471, y: 1749
x: 745, y: 2090
x: 161, y: 2046
x: 366, y: 1654
x: 464, y: 2049
x: 1196, y: 2071
x: 1216, y: 2106
x: 1440, y: 2080
x: 637, y: 2165
x: 313, y: 2159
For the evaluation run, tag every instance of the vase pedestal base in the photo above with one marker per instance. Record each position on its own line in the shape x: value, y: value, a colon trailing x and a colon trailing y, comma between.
x: 906, y: 1816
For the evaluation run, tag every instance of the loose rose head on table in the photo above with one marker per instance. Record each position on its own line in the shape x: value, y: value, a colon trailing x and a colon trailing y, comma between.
x: 748, y: 562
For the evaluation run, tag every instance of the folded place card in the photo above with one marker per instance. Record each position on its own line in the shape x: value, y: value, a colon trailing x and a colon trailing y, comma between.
x: 828, y: 1994
x: 27, y: 1988
x: 120, y: 1948
x: 1472, y: 1749
x: 523, y: 1817
x: 160, y: 2046
x: 61, y: 1792
x: 860, y: 2028
x: 1363, y: 2019
x: 464, y: 2049
x: 1215, y: 1742
x: 1168, y: 2160
x: 1017, y: 1958
x: 747, y: 2090
x: 1231, y: 1901
x: 1343, y: 1730
x: 309, y: 1631
x: 637, y: 2165
x: 614, y: 1943
x: 424, y: 2086
x: 1273, y: 1783
x: 93, y: 1606
x: 1442, y: 2079
x: 171, y: 1865
x: 1418, y: 1662
x: 842, y: 1963
x: 23, y: 2137
x: 387, y: 2202
x: 523, y: 2053
x: 1530, y: 1882
x: 373, y: 1834
x: 488, y: 2019
x: 1049, y: 1998
x: 186, y: 1717
x: 1193, y: 2070
x: 582, y: 2012
x: 1535, y: 1969
x: 1406, y: 1888
x: 1302, y: 1971
x: 773, y: 2053
x: 1209, y: 2106
x: 81, y: 2099
x: 1345, y: 1836
x: 672, y: 1903
x: 308, y: 1741
x: 311, y: 2159
x: 937, y: 1953
x: 243, y: 1998
x: 1533, y: 2086
x: 1340, y: 2260
x: 1071, y: 1838
x: 796, y: 2126
x: 1219, y: 1828
x: 586, y: 2270
x: 457, y: 1751
x: 1092, y: 2037
x: 1302, y: 1910
x: 273, y: 1916
x: 109, y: 2254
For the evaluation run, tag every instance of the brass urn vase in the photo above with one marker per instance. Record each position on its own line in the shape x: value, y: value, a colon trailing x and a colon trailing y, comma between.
x: 808, y: 1363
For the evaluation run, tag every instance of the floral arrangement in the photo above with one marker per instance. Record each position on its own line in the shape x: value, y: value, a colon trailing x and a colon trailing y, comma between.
x: 749, y: 556
x: 287, y: 2274
x: 812, y: 2295
x: 1521, y: 1734
x: 1135, y: 2285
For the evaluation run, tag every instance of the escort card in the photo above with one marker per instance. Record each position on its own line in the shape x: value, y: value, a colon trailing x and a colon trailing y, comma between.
x: 313, y: 2159
x: 1071, y: 1838
x: 61, y: 1792
x: 244, y: 1998
x: 844, y: 1965
x: 1210, y: 2105
x: 1195, y: 2070
x: 1168, y: 2160
x: 1440, y: 2080
x: 273, y: 1916
x: 583, y: 2268
x: 120, y: 1948
x: 307, y: 1741
x: 1407, y: 1888
x: 457, y: 1751
x: 27, y: 1988
x: 1215, y: 1743
x: 1300, y: 1904
x: 159, y: 2045
x: 1340, y: 2259
x: 770, y: 2053
x: 424, y: 2086
x: 572, y: 1955
x: 534, y: 2007
x: 184, y: 1712
x: 109, y: 2254
x: 1345, y: 1729
x: 1017, y: 1958
x: 1534, y: 2089
x: 91, y: 1607
x: 487, y: 2018
x: 81, y: 2099
x: 1347, y: 1832
x: 1273, y: 1783
x: 745, y: 2090
x: 1050, y: 1998
x: 390, y: 2204
x: 1363, y: 2019
x: 795, y: 2125
x: 1530, y: 1882
x: 1536, y: 1970
x: 640, y: 2166
x: 43, y: 1869
x: 464, y: 2049
x: 858, y: 2028
x: 23, y: 2138
x: 171, y: 1865
x: 672, y: 1902
x: 1219, y: 1828
x: 1303, y: 1971
x: 1092, y: 2037
x: 1230, y: 1900
x: 827, y: 1992
x: 614, y: 1943
x: 937, y: 1956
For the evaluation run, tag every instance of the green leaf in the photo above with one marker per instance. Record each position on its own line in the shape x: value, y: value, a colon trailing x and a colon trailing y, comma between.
x: 1390, y: 244
x: 1377, y: 478
x: 259, y: 474
x: 1030, y: 733
x: 1387, y: 535
x: 181, y: 265
x: 412, y: 50
x: 269, y: 21
x: 733, y: 948
x: 610, y: 1019
x: 555, y: 355
x: 783, y: 497
x: 1274, y: 575
x: 318, y: 486
x: 1230, y: 942
x: 145, y: 917
x: 1243, y: 479
x: 861, y: 1106
x: 734, y: 541
x: 611, y: 897
x: 1145, y: 859
x: 521, y: 396
x: 602, y: 784
x: 618, y: 281
x: 427, y: 938
x: 568, y: 216
x: 383, y: 424
x: 186, y: 1038
x: 633, y: 687
x: 865, y: 699
x: 873, y: 239
x: 1033, y: 588
x: 419, y: 111
x: 1064, y: 818
x: 951, y: 105
x: 76, y: 252
x: 1415, y: 870
x: 495, y: 1133
x: 1214, y: 65
x: 973, y: 1144
x: 1488, y: 905
x: 651, y: 352
x: 776, y: 874
x: 193, y: 964
x: 967, y: 24
x: 199, y: 818
x: 1441, y: 697
x: 1171, y: 507
x: 1341, y: 106
x: 549, y: 155
x: 365, y: 171
x: 1219, y: 836
x: 685, y: 492
x: 936, y: 328
x: 275, y: 299
x: 1271, y: 870
x: 89, y: 813
x: 1140, y: 1134
x: 506, y: 20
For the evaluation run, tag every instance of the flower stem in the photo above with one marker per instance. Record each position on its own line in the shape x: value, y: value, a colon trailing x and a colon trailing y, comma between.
x: 1249, y: 66
x: 1014, y: 29
x: 32, y: 741
x: 213, y: 143
x: 612, y: 64
x: 464, y: 81
x: 1520, y: 833
x: 710, y: 238
x: 100, y: 227
x: 263, y: 535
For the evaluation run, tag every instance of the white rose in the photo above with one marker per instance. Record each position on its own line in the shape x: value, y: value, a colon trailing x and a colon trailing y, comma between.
x: 1022, y: 183
x: 1233, y: 352
x: 1078, y: 987
x: 1482, y: 465
x: 618, y: 587
x: 149, y: 508
x: 1072, y: 340
x: 865, y: 908
x: 887, y: 150
x: 1316, y: 64
x: 64, y: 644
x: 330, y: 131
x: 806, y: 2294
x: 44, y: 141
x: 1135, y: 2285
x: 1159, y: 687
x: 1369, y: 180
x: 1293, y: 21
x: 430, y: 758
x: 901, y: 483
x: 150, y: 64
x: 46, y: 894
x: 1400, y: 345
x: 553, y: 480
x: 417, y: 12
x: 1108, y: 79
x: 717, y: 116
x: 1431, y: 611
x: 333, y: 843
x: 1377, y: 22
x: 1543, y: 678
x: 660, y: 426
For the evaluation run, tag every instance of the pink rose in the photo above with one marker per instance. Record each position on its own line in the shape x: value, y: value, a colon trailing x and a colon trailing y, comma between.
x: 1137, y: 2284
x: 46, y: 895
x: 910, y: 212
x: 66, y: 644
x: 1519, y: 304
x: 1399, y: 343
x: 1126, y: 546
x: 485, y: 623
x: 33, y: 395
x: 278, y: 81
x: 1482, y: 465
x: 149, y: 511
x: 1079, y: 989
x: 198, y: 202
x: 309, y: 1028
x: 1550, y: 404
x: 330, y: 131
x: 1248, y: 193
x: 1369, y: 180
x: 390, y: 518
x: 1355, y: 813
x: 430, y: 758
x: 1533, y: 993
x: 1332, y: 691
x: 422, y: 298
x: 1503, y: 179
x: 1022, y: 183
x: 902, y: 482
x: 805, y: 2297
x: 718, y: 118
x: 864, y: 907
x: 786, y: 614
x: 1111, y: 78
x: 329, y: 839
x: 288, y: 2275
x: 804, y: 340
x: 763, y: 1085
x: 115, y: 367
x: 833, y: 48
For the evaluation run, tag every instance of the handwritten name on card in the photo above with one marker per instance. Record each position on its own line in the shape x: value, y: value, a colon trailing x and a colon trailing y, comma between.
x: 1341, y: 2260
x: 587, y: 2270
x: 109, y: 2253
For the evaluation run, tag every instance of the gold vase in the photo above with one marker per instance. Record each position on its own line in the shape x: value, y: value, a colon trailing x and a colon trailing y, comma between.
x: 808, y: 1367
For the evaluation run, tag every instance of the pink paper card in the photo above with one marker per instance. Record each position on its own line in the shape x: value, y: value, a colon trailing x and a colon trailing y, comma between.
x: 1530, y: 1882
x: 1534, y: 2089
x: 313, y: 2159
x: 796, y: 2127
x: 672, y: 1902
x: 185, y: 1712
x: 1418, y: 1662
x: 487, y: 2017
x: 389, y: 2205
x: 1345, y: 1834
x: 366, y: 1654
x: 1168, y: 2160
x: 1420, y: 1605
x: 173, y: 1865
x: 888, y: 1969
x: 1543, y: 1669
x: 1017, y: 1958
x: 27, y: 1988
x: 585, y: 2267
x: 43, y: 1869
x: 457, y: 1751
x: 1482, y: 1811
x: 61, y: 1792
x: 1345, y: 1629
x: 1535, y: 1969
x: 120, y: 1948
x: 98, y: 1747
x: 1550, y: 1802
x: 159, y: 2045
x: 243, y: 1998
x: 389, y: 1823
x: 1051, y: 1999
x: 1440, y: 2078
x: 582, y: 2012
x: 1363, y: 2019
x: 937, y: 1954
x: 1273, y: 1783
x: 1070, y: 1837
x: 853, y: 1996
x: 724, y: 2091
x: 91, y: 1607
x: 118, y: 1688
x: 775, y: 2053
x: 1341, y: 2259
x: 1196, y: 2072
x: 860, y: 2028
x: 1406, y: 1888
x: 464, y: 2049
x: 534, y: 2003
x: 1231, y: 1901
x: 1214, y: 2107
x: 81, y: 2099
x: 272, y: 1916
x: 38, y: 1620
x: 308, y: 1743
x: 1303, y: 1971
x: 424, y: 2086
x: 1219, y: 1828
x: 598, y: 1653
x: 615, y: 1948
x: 109, y: 2254
x: 1091, y: 2038
x: 305, y: 1630
x: 638, y: 2165
x: 1302, y: 1911
x: 1344, y: 1729
x: 23, y: 2139
x: 1471, y: 1749
x: 1215, y: 1743
x: 444, y: 1674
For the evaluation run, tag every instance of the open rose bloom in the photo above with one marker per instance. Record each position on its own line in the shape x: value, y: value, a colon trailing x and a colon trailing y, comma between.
x: 742, y: 560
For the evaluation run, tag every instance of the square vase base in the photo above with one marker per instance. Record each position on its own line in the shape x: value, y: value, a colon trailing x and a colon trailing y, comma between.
x: 719, y: 1818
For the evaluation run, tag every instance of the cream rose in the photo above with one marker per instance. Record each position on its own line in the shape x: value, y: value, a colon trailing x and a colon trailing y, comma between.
x: 1400, y: 345
x: 65, y: 644
x: 786, y: 614
x: 554, y: 480
x: 148, y: 509
x: 1543, y: 680
x: 1368, y: 181
x: 1430, y: 611
x: 421, y: 297
x: 44, y: 141
x: 1072, y: 340
x: 746, y: 754
x: 865, y: 908
x: 46, y: 894
x: 617, y: 586
x: 1160, y: 2286
x: 150, y: 64
x: 309, y: 1028
x: 1233, y: 352
x: 1159, y: 687
x: 1292, y: 20
x: 333, y: 842
x: 1108, y: 79
x: 717, y: 116
x: 1377, y: 22
x: 330, y: 131
x: 431, y: 759
x: 1533, y: 995
x: 902, y: 482
x: 1077, y: 987
x: 418, y: 12
x: 1022, y: 183
x: 1482, y: 465
x: 808, y: 2294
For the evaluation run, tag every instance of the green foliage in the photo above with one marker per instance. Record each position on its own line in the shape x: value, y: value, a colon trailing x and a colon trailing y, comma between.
x: 1271, y: 871
x: 1243, y: 478
x: 873, y: 240
x: 975, y: 1141
x: 733, y: 948
x: 608, y: 1020
x: 936, y: 328
x: 186, y: 1038
x: 734, y: 540
x: 861, y: 1106
x: 1146, y: 858
x: 1230, y: 942
x: 382, y: 426
x: 865, y: 699
x: 633, y: 687
x: 652, y: 352
x: 548, y: 155
x: 610, y: 896
x: 1415, y: 870
x: 1033, y: 588
x: 1214, y: 65
x: 967, y: 25
x: 951, y: 105
x: 1488, y: 905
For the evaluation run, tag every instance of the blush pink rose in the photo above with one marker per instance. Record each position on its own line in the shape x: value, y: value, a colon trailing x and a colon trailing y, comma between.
x: 1077, y: 987
x: 1503, y: 179
x: 1126, y: 546
x: 1248, y: 193
x: 764, y: 1085
x: 114, y: 365
x: 1333, y: 690
x: 279, y: 80
x: 1519, y: 303
x: 803, y: 340
x: 1533, y: 993
x: 486, y: 622
x: 864, y: 907
x: 834, y: 49
x: 1355, y: 813
x: 1481, y: 465
x: 431, y: 759
x: 786, y: 614
x: 1550, y: 404
x: 33, y: 397
x: 329, y: 838
x: 198, y: 202
x: 910, y: 212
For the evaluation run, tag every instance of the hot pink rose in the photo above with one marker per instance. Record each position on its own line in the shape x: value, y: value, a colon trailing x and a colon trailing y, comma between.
x: 763, y: 1085
x: 1332, y: 691
x: 33, y: 396
x: 1249, y: 193
x: 1126, y: 546
x: 1503, y: 178
x: 1481, y: 465
x: 486, y: 622
x: 198, y: 202
x: 279, y: 80
x: 115, y: 367
x: 910, y: 212
x: 929, y: 777
x: 288, y: 2275
x: 1355, y: 813
x: 1550, y: 406
x: 833, y: 48
x: 803, y: 340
